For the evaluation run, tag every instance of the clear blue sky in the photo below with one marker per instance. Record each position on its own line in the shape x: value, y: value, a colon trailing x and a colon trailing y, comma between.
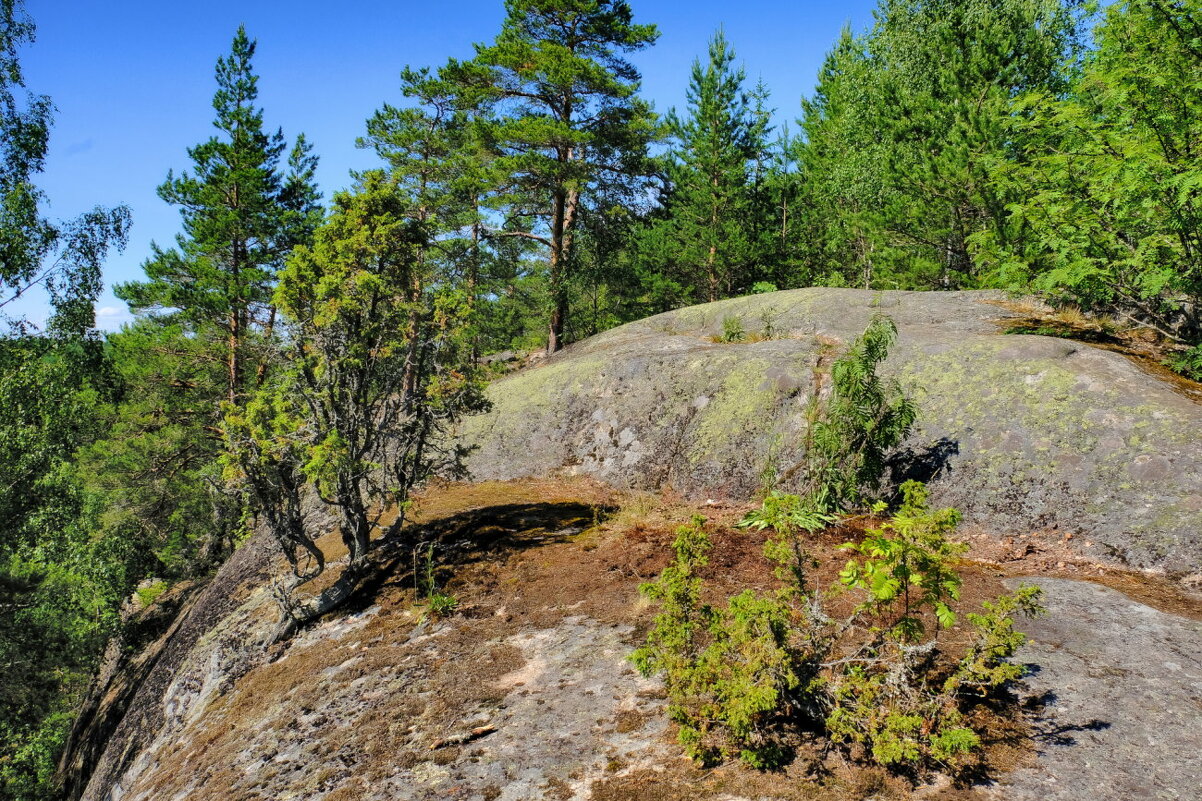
x: 133, y: 81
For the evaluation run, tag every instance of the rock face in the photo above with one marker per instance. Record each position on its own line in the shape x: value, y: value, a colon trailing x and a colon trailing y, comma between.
x: 527, y: 691
x: 1120, y: 686
x: 1021, y: 433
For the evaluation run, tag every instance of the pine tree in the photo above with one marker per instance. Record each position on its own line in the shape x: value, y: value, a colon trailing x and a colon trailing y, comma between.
x: 843, y: 188
x: 713, y: 172
x: 242, y: 214
x: 906, y: 124
x: 435, y: 160
x: 566, y: 124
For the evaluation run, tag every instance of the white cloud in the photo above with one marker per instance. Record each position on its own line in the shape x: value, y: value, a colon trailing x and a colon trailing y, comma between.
x: 110, y: 318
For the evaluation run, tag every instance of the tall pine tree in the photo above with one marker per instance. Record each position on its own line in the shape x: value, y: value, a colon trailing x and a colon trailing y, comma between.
x: 243, y: 212
x: 566, y: 125
x: 704, y: 243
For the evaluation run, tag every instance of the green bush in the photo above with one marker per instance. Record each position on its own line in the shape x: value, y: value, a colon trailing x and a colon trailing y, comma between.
x: 1187, y: 362
x: 149, y: 592
x: 440, y: 604
x: 729, y: 670
x: 851, y: 434
x: 746, y: 679
x: 732, y: 330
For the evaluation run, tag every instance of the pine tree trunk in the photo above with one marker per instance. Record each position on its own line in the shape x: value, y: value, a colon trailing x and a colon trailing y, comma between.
x: 563, y: 211
x: 234, y: 361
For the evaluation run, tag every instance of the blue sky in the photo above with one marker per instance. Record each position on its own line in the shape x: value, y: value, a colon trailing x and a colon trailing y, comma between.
x: 133, y: 82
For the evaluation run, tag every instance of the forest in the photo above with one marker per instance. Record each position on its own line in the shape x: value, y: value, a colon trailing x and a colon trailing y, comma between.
x: 291, y: 346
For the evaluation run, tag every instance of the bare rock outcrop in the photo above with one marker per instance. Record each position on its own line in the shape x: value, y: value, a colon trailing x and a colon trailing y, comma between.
x: 1021, y: 433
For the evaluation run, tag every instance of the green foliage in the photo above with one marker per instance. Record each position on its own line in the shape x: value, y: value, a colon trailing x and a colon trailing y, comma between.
x: 374, y: 373
x: 242, y: 210
x: 732, y: 329
x: 60, y: 585
x: 1105, y: 183
x: 903, y: 126
x: 984, y: 666
x: 727, y: 670
x: 908, y: 564
x: 566, y: 133
x: 788, y: 516
x: 437, y: 603
x: 699, y: 245
x: 156, y: 465
x: 149, y: 593
x: 1188, y: 363
x: 744, y: 679
x: 62, y: 257
x: 865, y: 418
x: 672, y: 644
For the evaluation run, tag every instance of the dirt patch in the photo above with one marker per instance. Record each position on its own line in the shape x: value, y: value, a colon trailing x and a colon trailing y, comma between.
x: 1051, y: 554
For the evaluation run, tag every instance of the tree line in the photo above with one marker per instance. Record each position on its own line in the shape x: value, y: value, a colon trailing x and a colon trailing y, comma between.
x: 288, y: 352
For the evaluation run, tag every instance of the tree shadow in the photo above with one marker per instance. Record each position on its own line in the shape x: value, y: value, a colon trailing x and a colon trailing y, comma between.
x: 1051, y: 731
x: 467, y: 537
x: 924, y: 464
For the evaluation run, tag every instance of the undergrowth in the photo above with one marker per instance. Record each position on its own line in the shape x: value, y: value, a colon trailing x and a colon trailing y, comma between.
x: 746, y: 679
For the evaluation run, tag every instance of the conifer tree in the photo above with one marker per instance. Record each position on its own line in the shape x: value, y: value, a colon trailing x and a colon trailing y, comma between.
x: 436, y: 161
x: 566, y: 125
x: 242, y: 213
x: 905, y: 125
x: 361, y: 411
x: 705, y: 242
x: 844, y: 187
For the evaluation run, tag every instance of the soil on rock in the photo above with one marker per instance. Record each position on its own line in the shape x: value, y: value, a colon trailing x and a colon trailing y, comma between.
x: 526, y: 691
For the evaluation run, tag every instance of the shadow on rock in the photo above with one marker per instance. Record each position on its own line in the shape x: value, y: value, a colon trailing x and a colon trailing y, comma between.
x: 1046, y: 729
x: 924, y: 464
x: 469, y: 537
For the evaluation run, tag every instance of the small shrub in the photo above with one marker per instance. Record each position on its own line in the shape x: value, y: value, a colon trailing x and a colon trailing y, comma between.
x: 439, y: 604
x: 908, y: 565
x: 148, y: 593
x: 732, y: 329
x: 768, y: 324
x: 1188, y: 363
x: 851, y: 435
x: 726, y: 670
x: 744, y: 679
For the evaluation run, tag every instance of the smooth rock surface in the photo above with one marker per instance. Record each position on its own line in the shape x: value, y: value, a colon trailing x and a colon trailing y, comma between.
x: 1021, y: 433
x: 1120, y: 688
